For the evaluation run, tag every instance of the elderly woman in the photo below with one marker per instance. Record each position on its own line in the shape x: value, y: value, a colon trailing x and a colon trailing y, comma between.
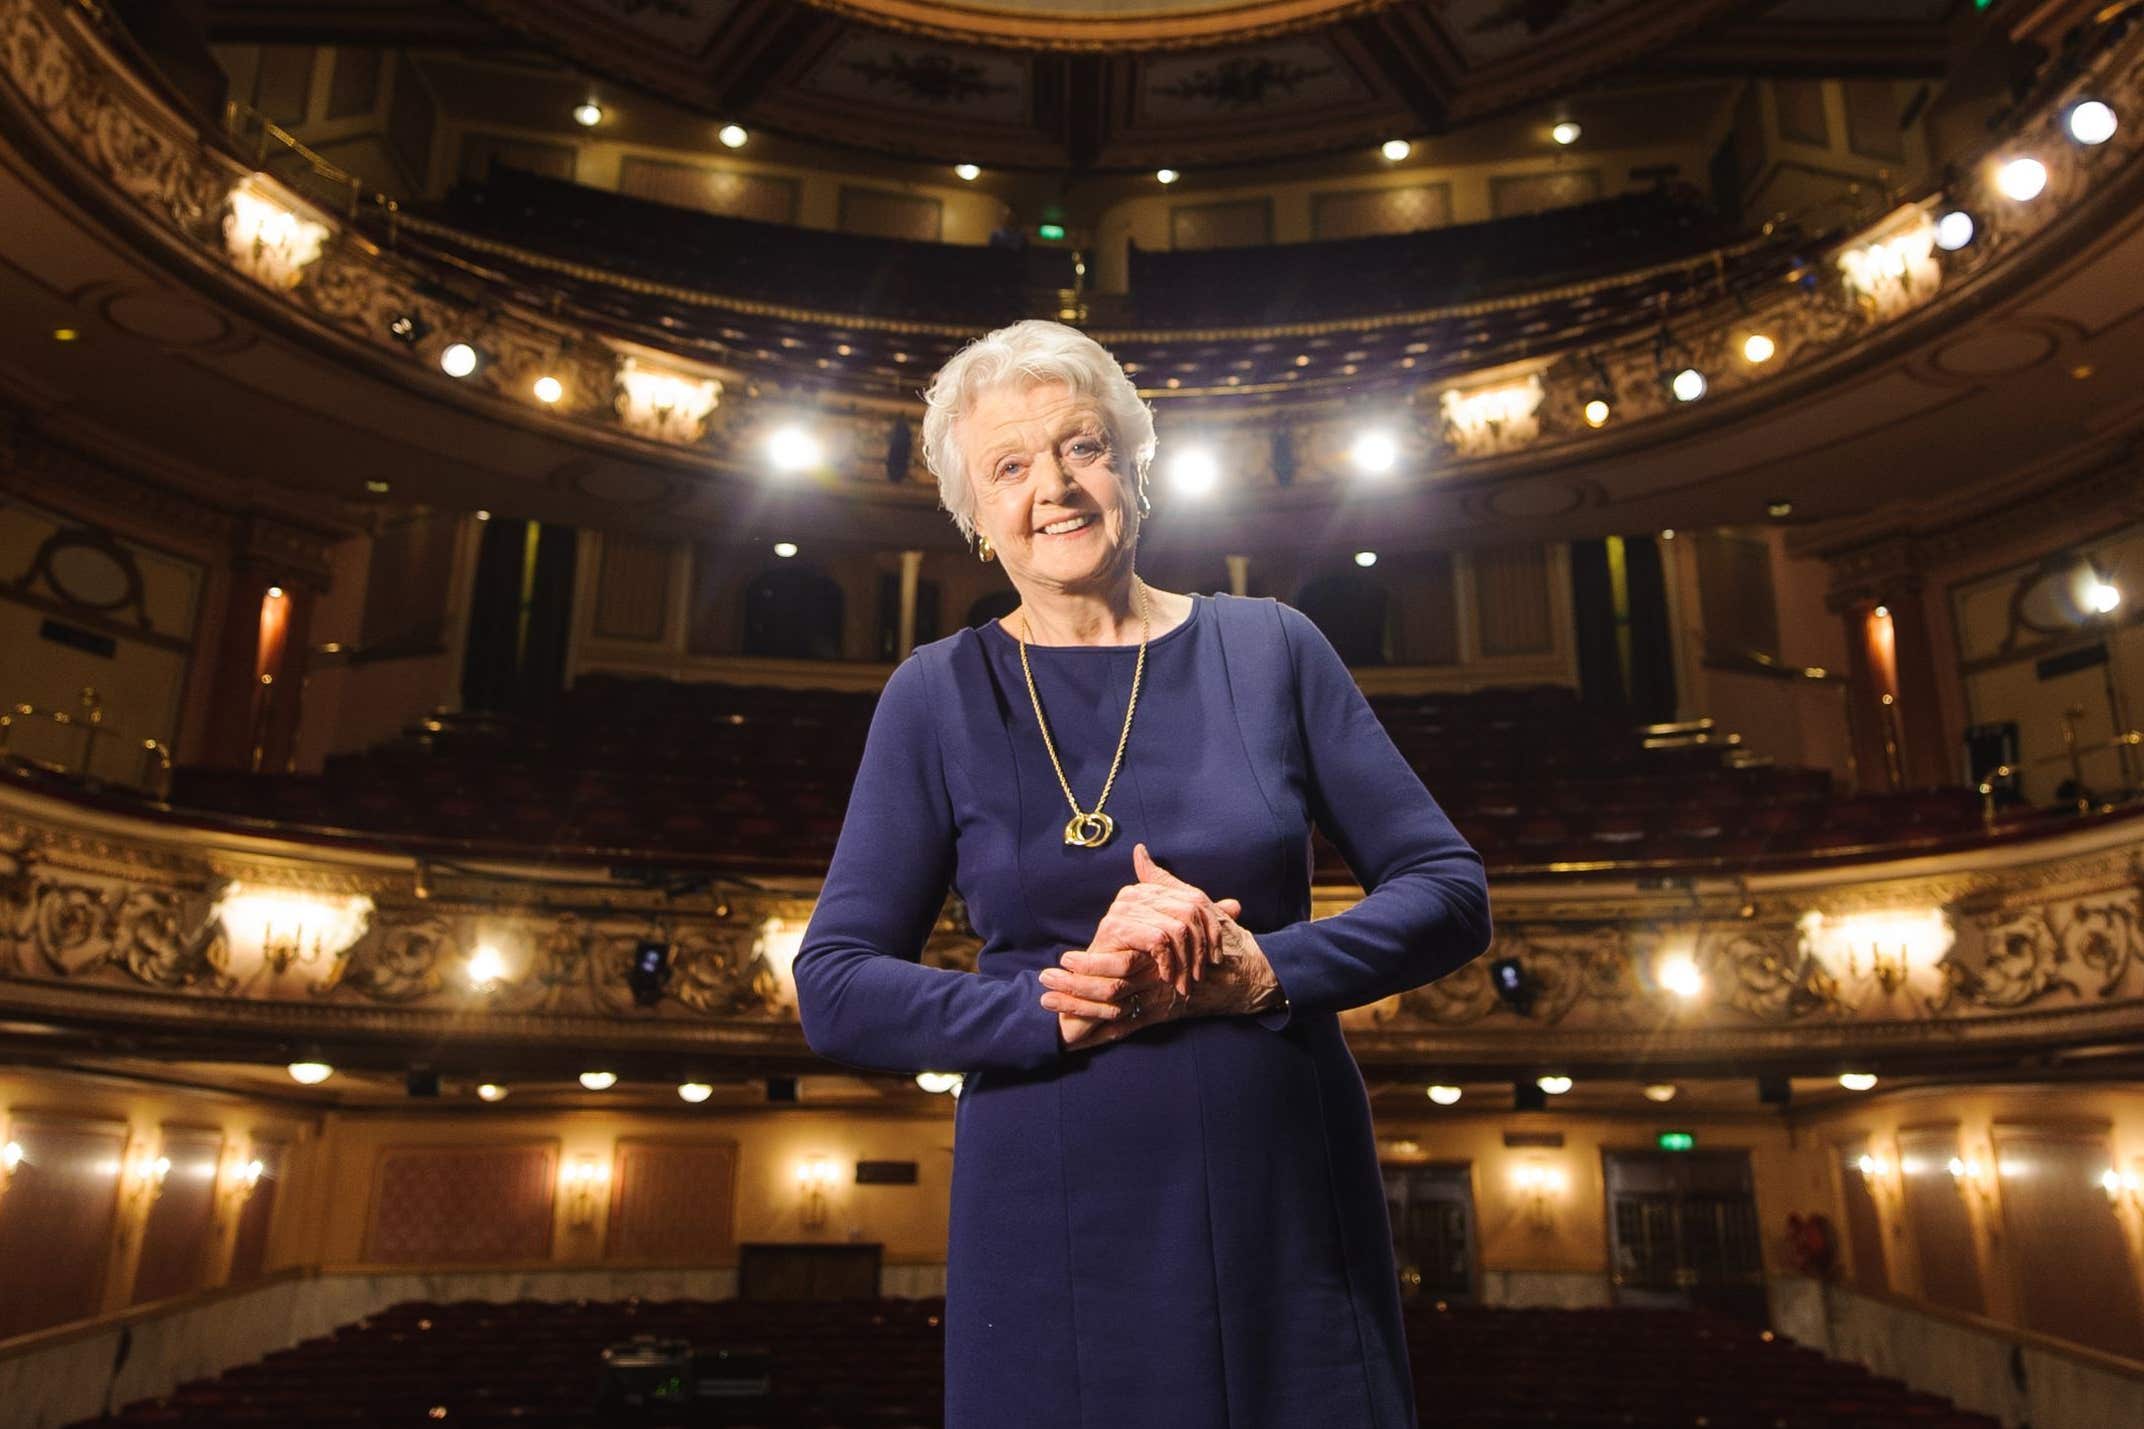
x: 1166, y: 1203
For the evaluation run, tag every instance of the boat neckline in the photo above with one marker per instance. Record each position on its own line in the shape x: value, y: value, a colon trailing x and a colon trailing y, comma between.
x: 1198, y: 605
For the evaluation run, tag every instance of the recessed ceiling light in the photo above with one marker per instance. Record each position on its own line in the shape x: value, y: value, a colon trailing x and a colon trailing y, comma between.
x: 599, y: 1081
x: 694, y: 1092
x: 1759, y: 347
x: 1857, y: 1081
x: 1444, y: 1095
x: 969, y: 172
x: 1661, y: 1092
x: 491, y: 1092
x: 1597, y: 412
x: 1954, y: 230
x: 1166, y: 176
x: 2022, y: 179
x: 1566, y: 132
x: 588, y: 114
x: 1554, y: 1085
x: 1366, y: 559
x: 732, y: 136
x: 2092, y: 122
x: 785, y: 549
x: 1396, y: 149
x: 549, y: 389
x: 458, y: 360
x: 311, y: 1074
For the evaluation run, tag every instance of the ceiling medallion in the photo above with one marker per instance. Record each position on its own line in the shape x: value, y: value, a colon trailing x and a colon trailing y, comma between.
x: 1099, y: 25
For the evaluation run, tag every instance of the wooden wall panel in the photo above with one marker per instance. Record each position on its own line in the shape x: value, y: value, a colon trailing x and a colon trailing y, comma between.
x: 2076, y: 1279
x: 56, y: 1221
x: 1937, y: 1219
x: 1361, y: 213
x: 1232, y: 223
x: 764, y: 198
x: 1864, y: 1226
x: 674, y: 1202
x: 448, y: 1205
x: 632, y: 589
x: 179, y: 1238
x: 1513, y: 195
x: 883, y: 213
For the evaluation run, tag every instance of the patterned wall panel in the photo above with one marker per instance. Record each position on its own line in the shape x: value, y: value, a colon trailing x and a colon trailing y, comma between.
x: 762, y: 197
x: 1734, y: 582
x: 56, y: 1221
x: 249, y: 1248
x: 1864, y: 1225
x: 632, y: 589
x: 446, y: 1205
x: 1232, y: 223
x: 883, y: 213
x: 177, y: 1243
x: 1361, y: 213
x: 1511, y: 195
x: 674, y: 1201
x: 1511, y: 599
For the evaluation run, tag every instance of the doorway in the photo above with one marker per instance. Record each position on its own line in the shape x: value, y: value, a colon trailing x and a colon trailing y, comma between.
x: 1432, y: 1212
x: 1682, y: 1228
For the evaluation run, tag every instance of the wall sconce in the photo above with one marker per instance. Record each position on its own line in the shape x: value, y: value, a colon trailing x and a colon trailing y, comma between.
x: 1878, y: 1173
x: 277, y: 929
x: 141, y: 1182
x: 11, y: 1156
x: 1538, y: 1185
x: 815, y: 1176
x: 1886, y: 948
x: 664, y: 403
x: 1971, y: 1174
x: 2122, y: 1186
x: 779, y: 939
x: 238, y: 1180
x: 268, y: 239
x: 583, y: 1182
x: 1481, y: 421
x: 1896, y: 269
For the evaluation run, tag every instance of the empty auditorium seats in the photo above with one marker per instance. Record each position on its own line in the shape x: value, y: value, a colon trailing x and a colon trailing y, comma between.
x: 755, y: 776
x: 876, y: 1364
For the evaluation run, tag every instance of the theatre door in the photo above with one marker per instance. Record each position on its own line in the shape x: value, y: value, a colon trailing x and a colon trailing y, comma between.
x: 1682, y: 1230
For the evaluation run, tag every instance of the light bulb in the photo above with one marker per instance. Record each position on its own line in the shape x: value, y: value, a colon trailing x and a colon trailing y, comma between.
x: 1566, y: 133
x: 694, y: 1092
x: 599, y: 1081
x: 1375, y: 452
x: 1555, y: 1086
x: 588, y: 114
x: 2092, y: 122
x: 785, y: 549
x: 732, y: 136
x: 1689, y: 385
x: 968, y: 172
x: 491, y: 1092
x: 1680, y: 976
x: 549, y: 389
x: 1758, y: 347
x: 1954, y: 230
x: 1443, y: 1095
x: 459, y: 360
x: 1661, y: 1092
x: 1597, y: 413
x: 1194, y: 471
x: 1857, y: 1081
x: 2022, y: 179
x: 1166, y: 176
x: 793, y: 449
x: 310, y: 1074
x: 1366, y: 559
x: 1396, y: 149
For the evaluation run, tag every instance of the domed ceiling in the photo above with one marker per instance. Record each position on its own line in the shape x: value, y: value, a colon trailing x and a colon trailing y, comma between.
x: 1130, y: 84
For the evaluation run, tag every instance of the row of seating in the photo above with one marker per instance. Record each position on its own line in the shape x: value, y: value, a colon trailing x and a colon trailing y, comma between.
x: 877, y: 1364
x: 762, y: 775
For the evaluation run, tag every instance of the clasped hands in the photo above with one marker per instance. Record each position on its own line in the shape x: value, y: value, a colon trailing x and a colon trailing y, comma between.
x: 1163, y: 952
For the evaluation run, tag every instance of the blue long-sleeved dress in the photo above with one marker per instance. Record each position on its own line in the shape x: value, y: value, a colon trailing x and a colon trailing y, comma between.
x: 1185, y: 1229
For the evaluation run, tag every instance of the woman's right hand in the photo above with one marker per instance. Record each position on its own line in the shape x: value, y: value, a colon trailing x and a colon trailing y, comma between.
x: 1172, y: 921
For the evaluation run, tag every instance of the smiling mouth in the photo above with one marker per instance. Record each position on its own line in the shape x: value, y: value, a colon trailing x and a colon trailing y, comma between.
x: 1070, y: 526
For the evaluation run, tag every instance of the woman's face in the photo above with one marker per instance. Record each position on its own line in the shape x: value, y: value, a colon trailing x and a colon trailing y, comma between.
x: 1038, y: 457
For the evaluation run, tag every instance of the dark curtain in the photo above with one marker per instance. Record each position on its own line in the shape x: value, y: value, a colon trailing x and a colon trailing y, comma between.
x: 1350, y: 610
x: 506, y: 669
x: 1652, y: 650
x: 1645, y: 693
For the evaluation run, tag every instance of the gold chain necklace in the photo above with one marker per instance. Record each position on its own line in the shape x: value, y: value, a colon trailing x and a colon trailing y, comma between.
x: 1090, y: 829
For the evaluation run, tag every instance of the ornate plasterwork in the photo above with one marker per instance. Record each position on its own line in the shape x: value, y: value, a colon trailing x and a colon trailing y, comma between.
x: 80, y: 105
x: 96, y: 919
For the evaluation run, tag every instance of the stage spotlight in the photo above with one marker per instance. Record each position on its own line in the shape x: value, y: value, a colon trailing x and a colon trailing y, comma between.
x: 968, y: 173
x: 1366, y: 559
x: 1554, y: 1084
x: 1758, y: 347
x: 1596, y: 412
x: 785, y: 549
x: 588, y: 114
x: 483, y: 515
x: 1375, y: 453
x: 1566, y: 133
x: 310, y: 1074
x: 599, y: 1081
x: 487, y: 968
x: 792, y: 449
x: 2092, y: 122
x: 2102, y: 597
x: 1396, y: 149
x: 1661, y: 1091
x: 1857, y: 1081
x: 694, y: 1092
x: 1954, y: 230
x: 1194, y: 471
x: 732, y: 136
x: 2021, y: 179
x: 1443, y: 1095
x: 650, y: 971
x: 1688, y: 385
x: 407, y: 328
x: 458, y: 360
x: 549, y: 389
x: 1517, y: 990
x: 490, y: 1092
x: 1166, y: 176
x: 938, y: 1083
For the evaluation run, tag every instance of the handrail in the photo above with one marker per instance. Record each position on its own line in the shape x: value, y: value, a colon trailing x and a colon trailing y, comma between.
x: 90, y: 720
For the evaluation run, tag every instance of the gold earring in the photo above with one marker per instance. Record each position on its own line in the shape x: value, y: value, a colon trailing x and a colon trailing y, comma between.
x: 984, y: 551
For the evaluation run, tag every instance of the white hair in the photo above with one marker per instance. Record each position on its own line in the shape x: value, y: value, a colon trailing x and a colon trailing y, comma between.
x: 1032, y: 353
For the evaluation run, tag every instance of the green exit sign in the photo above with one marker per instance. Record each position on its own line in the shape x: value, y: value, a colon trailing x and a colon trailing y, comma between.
x: 1677, y: 1140
x: 1051, y: 231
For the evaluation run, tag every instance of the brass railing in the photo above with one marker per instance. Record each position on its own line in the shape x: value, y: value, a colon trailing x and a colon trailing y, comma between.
x: 88, y: 719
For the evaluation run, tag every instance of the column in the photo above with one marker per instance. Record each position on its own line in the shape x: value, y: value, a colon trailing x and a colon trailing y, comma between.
x: 911, y: 573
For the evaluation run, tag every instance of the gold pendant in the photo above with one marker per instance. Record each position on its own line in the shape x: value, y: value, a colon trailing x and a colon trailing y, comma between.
x: 1090, y: 830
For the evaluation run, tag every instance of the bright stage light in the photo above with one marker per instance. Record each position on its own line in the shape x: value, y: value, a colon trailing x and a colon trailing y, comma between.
x: 1566, y: 133
x: 1396, y: 149
x: 1194, y: 471
x: 694, y: 1092
x: 1166, y: 176
x: 459, y: 360
x: 549, y: 390
x: 1597, y: 412
x: 2092, y: 122
x: 599, y: 1081
x: 1375, y: 452
x: 1688, y: 385
x: 1366, y: 559
x: 1758, y: 347
x: 1954, y: 230
x: 785, y: 549
x: 732, y: 136
x: 1555, y: 1086
x: 1679, y: 975
x: 490, y: 1092
x: 1661, y: 1091
x: 2022, y: 179
x: 792, y: 449
x: 588, y: 114
x: 967, y: 172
